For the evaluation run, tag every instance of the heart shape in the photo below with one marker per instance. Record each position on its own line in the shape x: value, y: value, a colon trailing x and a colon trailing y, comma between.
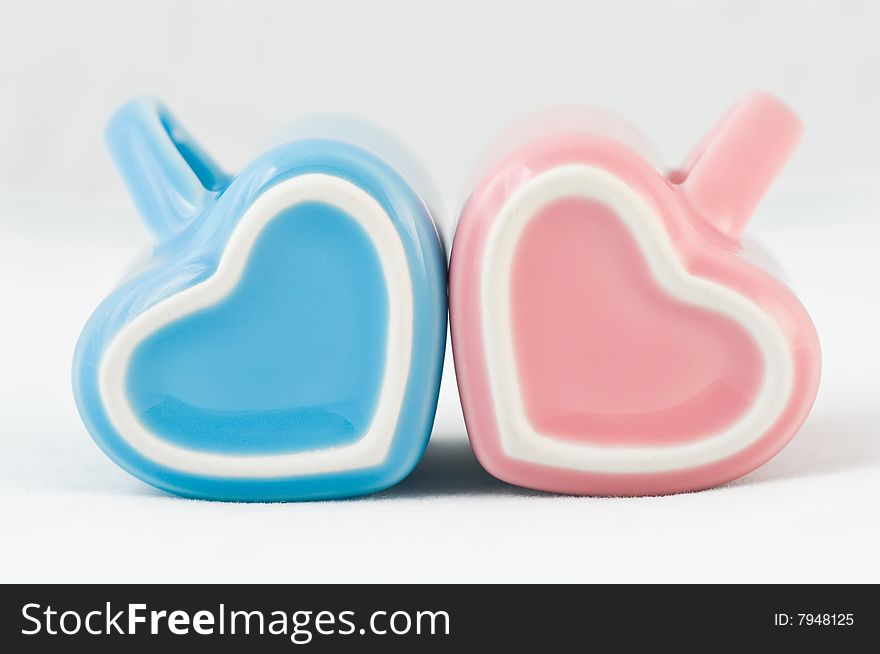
x: 603, y: 353
x: 607, y: 342
x: 285, y: 341
x: 275, y: 367
x: 169, y: 396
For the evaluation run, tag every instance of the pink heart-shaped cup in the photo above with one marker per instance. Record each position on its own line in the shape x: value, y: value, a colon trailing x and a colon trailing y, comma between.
x: 610, y: 335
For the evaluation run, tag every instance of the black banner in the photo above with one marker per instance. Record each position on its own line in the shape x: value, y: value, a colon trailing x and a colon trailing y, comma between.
x: 431, y: 618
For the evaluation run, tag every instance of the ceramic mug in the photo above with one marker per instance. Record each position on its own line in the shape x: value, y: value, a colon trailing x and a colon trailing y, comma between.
x: 611, y: 335
x: 285, y: 340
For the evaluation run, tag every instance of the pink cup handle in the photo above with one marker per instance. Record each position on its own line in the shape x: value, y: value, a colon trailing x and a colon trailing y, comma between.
x: 728, y: 173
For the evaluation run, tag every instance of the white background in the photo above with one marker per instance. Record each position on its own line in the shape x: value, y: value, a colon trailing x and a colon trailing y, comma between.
x: 445, y: 77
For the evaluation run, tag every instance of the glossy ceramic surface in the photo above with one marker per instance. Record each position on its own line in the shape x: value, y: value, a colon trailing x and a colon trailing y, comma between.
x: 285, y: 340
x: 609, y: 335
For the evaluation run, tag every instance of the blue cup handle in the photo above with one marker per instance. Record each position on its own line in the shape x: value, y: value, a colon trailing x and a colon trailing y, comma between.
x: 170, y: 177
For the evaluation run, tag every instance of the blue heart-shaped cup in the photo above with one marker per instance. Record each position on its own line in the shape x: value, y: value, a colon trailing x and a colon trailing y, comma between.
x: 285, y: 341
